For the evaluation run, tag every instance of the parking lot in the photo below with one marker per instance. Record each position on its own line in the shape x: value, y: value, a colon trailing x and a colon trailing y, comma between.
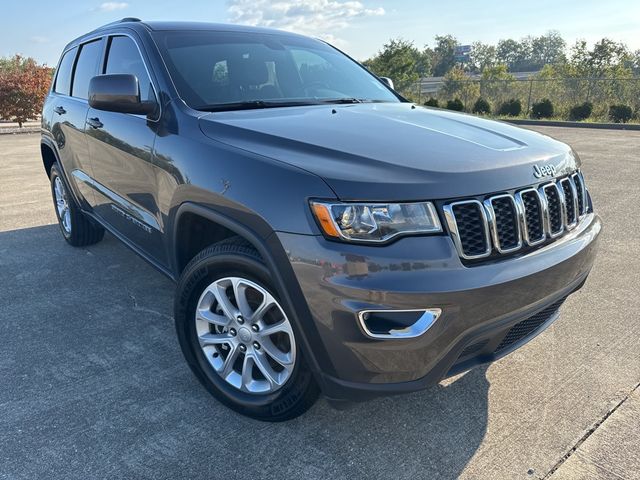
x: 93, y: 384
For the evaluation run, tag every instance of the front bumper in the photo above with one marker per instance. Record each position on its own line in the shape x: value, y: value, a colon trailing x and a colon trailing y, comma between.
x: 479, y: 304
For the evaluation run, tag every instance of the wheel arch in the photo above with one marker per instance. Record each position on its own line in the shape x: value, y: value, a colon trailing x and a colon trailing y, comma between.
x: 49, y: 156
x: 275, y: 258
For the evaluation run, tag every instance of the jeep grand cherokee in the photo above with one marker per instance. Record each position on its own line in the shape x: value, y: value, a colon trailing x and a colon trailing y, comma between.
x: 326, y: 235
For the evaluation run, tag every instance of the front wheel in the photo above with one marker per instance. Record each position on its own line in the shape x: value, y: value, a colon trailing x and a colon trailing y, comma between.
x: 238, y: 338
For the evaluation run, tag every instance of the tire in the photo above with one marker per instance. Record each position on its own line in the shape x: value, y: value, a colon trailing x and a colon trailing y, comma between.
x: 235, y: 265
x: 77, y: 229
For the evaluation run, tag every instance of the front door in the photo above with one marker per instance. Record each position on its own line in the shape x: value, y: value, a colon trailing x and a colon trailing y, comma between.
x: 121, y: 152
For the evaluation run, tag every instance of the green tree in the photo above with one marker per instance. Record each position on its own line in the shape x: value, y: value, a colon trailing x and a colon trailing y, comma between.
x: 482, y: 56
x: 606, y: 58
x: 548, y: 49
x: 457, y: 84
x: 498, y: 84
x: 444, y: 54
x: 514, y: 54
x: 401, y: 61
x: 634, y: 62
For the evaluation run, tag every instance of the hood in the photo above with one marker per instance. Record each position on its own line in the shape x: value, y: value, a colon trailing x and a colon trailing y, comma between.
x: 393, y: 151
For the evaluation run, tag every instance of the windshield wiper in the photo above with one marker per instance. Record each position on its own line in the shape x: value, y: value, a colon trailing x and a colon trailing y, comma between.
x: 254, y: 104
x: 344, y: 100
x: 349, y: 100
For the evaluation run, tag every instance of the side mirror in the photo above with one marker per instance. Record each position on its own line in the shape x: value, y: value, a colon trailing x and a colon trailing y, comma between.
x: 118, y: 93
x: 388, y: 82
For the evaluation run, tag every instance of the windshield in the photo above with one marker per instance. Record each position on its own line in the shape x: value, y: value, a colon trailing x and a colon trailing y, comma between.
x: 234, y: 70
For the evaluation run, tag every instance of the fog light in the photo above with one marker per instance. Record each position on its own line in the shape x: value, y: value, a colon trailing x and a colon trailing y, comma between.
x: 390, y: 324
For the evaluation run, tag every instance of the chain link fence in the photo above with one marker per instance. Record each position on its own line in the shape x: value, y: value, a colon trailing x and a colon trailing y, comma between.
x: 564, y: 94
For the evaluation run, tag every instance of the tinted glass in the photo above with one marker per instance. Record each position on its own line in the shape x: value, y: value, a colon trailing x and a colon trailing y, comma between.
x: 124, y: 57
x: 86, y: 68
x: 63, y: 76
x: 213, y: 68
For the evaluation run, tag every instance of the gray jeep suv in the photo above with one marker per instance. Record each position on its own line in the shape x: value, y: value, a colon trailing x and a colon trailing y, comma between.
x: 326, y: 235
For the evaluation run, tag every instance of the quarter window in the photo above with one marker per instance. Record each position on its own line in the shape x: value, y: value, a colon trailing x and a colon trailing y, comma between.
x: 86, y: 68
x: 63, y: 76
x: 124, y: 57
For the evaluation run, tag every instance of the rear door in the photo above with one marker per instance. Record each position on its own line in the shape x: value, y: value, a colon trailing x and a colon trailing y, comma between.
x: 121, y: 151
x: 70, y: 107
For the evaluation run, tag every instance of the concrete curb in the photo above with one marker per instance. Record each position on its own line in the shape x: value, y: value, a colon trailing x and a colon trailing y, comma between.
x: 18, y: 130
x: 558, y: 123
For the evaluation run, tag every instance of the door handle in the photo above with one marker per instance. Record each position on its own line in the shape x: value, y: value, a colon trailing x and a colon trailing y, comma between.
x: 95, y: 122
x: 60, y: 110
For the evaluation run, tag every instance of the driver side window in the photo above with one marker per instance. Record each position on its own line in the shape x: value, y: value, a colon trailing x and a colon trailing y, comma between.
x: 124, y: 57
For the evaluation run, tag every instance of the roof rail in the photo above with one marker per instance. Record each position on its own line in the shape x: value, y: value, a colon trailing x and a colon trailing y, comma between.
x: 124, y: 20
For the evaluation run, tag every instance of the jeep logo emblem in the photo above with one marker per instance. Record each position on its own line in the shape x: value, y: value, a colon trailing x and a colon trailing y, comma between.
x: 544, y: 171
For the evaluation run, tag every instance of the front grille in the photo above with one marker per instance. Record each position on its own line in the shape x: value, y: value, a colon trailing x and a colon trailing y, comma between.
x: 506, y: 230
x: 526, y: 327
x: 533, y: 216
x: 571, y: 201
x: 580, y: 191
x: 509, y: 222
x: 554, y: 207
x: 473, y: 234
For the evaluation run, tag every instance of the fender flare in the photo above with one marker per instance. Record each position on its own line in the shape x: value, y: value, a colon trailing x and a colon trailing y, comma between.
x: 286, y: 283
x: 54, y: 148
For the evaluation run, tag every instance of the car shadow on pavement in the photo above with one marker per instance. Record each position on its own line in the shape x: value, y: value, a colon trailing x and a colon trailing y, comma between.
x: 93, y: 380
x: 429, y: 434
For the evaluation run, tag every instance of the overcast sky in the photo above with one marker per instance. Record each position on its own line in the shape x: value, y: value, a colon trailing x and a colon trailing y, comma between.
x: 41, y: 28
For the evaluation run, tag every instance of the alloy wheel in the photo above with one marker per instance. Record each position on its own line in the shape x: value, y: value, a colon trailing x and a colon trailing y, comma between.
x: 62, y: 204
x: 245, y: 335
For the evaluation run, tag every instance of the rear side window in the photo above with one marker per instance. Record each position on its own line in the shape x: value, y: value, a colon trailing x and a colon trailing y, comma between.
x: 86, y: 68
x: 63, y: 76
x: 124, y: 57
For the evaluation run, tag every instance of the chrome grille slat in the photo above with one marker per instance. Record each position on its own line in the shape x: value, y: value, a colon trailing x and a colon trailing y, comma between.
x: 505, y: 231
x: 532, y: 216
x: 555, y: 209
x: 571, y: 202
x: 453, y: 213
x: 581, y: 192
x: 507, y: 222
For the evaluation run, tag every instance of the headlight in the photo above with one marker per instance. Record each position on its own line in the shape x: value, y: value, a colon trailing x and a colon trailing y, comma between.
x: 375, y: 222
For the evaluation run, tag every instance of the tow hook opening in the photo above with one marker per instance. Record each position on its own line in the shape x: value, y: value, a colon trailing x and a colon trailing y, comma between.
x: 393, y: 324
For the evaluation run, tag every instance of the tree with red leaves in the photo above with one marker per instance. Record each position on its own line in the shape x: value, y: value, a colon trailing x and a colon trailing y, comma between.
x: 23, y: 87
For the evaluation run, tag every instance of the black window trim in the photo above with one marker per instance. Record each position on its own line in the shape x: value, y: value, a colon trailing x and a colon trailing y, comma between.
x: 57, y: 72
x: 103, y: 66
x: 106, y: 38
x: 75, y: 64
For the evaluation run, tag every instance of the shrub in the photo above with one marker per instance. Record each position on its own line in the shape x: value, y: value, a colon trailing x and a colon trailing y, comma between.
x: 620, y: 113
x: 581, y: 112
x: 432, y: 102
x: 455, y: 104
x: 542, y: 109
x: 510, y: 108
x: 481, y: 106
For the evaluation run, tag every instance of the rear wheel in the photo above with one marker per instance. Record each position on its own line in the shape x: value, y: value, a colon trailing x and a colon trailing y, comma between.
x: 237, y: 336
x: 76, y: 228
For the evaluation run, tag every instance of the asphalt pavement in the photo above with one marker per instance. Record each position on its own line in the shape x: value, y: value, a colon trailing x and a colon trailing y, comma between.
x: 93, y: 384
